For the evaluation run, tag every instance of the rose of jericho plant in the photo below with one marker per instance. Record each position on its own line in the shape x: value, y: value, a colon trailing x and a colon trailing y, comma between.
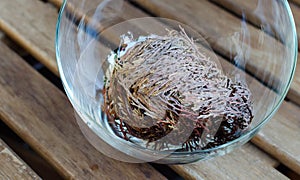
x: 162, y: 85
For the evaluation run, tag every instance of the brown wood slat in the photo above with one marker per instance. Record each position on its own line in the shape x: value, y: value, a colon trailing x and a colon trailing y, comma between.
x: 255, y: 165
x: 214, y: 22
x: 133, y: 13
x: 296, y: 2
x: 32, y: 25
x: 280, y: 137
x: 296, y: 14
x: 286, y: 121
x: 247, y: 7
x: 57, y: 3
x: 285, y: 148
x: 40, y: 114
x: 12, y: 167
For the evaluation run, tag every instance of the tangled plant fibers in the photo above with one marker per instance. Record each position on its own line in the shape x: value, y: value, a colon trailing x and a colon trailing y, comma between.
x: 162, y: 85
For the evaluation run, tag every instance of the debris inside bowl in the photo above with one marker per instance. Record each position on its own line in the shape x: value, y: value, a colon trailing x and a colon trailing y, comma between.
x: 165, y: 91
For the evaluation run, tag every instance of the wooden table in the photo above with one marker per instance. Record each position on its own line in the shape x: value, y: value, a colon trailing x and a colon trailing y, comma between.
x: 34, y: 107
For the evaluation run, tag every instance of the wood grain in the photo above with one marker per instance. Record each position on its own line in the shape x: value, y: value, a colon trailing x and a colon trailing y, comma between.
x: 219, y: 166
x: 268, y: 161
x: 286, y: 148
x: 32, y: 26
x: 280, y: 137
x: 296, y: 2
x: 265, y: 145
x: 132, y: 13
x: 248, y: 7
x: 50, y: 120
x: 12, y: 167
x: 57, y: 3
x: 255, y: 165
x: 40, y: 114
x: 296, y: 14
x: 217, y: 25
x: 252, y: 10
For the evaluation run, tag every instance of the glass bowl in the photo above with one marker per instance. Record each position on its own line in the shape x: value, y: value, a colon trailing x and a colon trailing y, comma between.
x: 174, y: 82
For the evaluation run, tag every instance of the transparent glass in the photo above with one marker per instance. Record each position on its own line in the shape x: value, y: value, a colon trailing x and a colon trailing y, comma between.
x: 255, y: 47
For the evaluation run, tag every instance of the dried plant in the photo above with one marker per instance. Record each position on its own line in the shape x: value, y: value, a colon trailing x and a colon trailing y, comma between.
x: 166, y: 84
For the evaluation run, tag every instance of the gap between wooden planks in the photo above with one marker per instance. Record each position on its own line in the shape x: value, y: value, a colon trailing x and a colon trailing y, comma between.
x: 212, y: 18
x: 41, y: 115
x: 293, y: 161
x: 49, y: 42
x: 247, y: 7
x: 35, y: 41
x: 296, y: 13
x: 36, y: 14
x: 296, y: 2
x: 12, y: 167
x: 286, y: 147
x: 45, y: 122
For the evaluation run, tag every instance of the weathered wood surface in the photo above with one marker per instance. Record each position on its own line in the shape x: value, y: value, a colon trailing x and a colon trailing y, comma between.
x: 253, y: 11
x: 280, y: 137
x: 219, y: 27
x: 267, y: 139
x: 248, y: 8
x: 12, y: 167
x: 32, y: 26
x: 285, y: 151
x: 57, y: 3
x: 255, y: 165
x: 296, y: 14
x: 288, y: 150
x: 37, y: 96
x: 286, y: 123
x: 40, y: 114
x: 296, y: 2
x: 212, y: 23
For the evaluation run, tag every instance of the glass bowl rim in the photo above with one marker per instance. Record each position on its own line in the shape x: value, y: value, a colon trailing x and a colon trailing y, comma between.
x: 220, y: 147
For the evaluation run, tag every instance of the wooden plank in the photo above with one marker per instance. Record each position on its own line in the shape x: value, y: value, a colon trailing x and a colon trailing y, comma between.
x: 33, y: 27
x: 12, y: 167
x: 294, y: 93
x: 133, y: 13
x: 288, y: 155
x: 38, y: 164
x: 217, y: 25
x: 262, y: 159
x: 296, y: 13
x: 296, y: 2
x: 247, y: 8
x: 57, y: 3
x: 40, y: 114
x: 254, y: 13
x: 287, y: 147
x: 284, y: 125
x: 12, y: 45
x: 267, y: 139
x: 280, y: 137
x: 247, y: 162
